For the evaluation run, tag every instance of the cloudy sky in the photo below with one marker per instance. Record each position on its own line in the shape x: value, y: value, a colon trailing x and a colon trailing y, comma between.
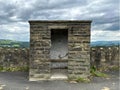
x: 14, y: 16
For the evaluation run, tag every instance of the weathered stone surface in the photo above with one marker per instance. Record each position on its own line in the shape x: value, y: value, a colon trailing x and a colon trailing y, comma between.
x: 14, y: 57
x: 17, y: 57
x: 78, y: 42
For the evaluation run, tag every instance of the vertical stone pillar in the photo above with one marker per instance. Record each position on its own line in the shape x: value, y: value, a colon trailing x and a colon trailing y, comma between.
x: 79, y: 50
x: 39, y: 52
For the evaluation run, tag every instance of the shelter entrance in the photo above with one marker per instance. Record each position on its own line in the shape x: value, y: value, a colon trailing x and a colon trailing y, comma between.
x: 59, y: 53
x: 59, y: 49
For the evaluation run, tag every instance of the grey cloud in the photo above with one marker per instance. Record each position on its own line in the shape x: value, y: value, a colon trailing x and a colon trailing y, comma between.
x: 8, y: 10
x: 59, y: 4
x: 49, y: 10
x: 24, y: 14
x: 115, y: 26
x: 14, y: 12
x: 110, y: 11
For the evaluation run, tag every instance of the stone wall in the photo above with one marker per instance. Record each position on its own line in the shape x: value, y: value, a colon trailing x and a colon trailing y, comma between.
x: 79, y: 50
x: 20, y: 57
x: 39, y: 52
x: 105, y: 56
x: 14, y: 57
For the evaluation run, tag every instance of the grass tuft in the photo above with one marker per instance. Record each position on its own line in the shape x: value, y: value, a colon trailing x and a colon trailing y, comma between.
x: 95, y: 72
x: 12, y: 69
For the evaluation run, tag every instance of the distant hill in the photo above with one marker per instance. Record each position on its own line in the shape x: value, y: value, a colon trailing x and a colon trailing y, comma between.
x: 21, y: 44
x: 105, y: 43
x: 12, y: 43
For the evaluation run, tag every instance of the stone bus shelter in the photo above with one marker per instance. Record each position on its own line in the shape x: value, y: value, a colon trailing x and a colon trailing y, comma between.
x: 59, y: 49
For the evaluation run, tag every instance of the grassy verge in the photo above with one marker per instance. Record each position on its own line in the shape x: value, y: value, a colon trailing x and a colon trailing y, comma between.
x: 12, y: 69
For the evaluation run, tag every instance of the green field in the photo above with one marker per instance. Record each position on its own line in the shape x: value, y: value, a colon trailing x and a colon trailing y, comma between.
x: 11, y: 43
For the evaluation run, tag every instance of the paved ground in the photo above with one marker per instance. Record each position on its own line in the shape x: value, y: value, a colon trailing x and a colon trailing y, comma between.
x: 19, y: 81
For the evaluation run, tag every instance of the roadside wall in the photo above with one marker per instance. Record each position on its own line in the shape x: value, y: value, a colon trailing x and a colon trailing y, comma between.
x: 100, y: 56
x: 105, y: 56
x: 12, y: 57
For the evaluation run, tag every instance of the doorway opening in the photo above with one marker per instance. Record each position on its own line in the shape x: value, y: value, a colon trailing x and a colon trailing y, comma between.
x: 59, y: 53
x: 59, y: 44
